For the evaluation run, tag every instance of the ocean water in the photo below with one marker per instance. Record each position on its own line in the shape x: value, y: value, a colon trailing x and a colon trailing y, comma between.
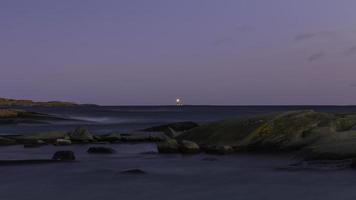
x: 94, y: 177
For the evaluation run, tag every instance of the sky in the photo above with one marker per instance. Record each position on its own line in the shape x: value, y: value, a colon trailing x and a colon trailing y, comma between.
x: 139, y: 52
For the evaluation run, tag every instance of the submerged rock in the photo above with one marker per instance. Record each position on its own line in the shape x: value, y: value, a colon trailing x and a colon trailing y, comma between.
x: 134, y: 172
x: 188, y: 147
x: 168, y: 146
x: 101, y: 150
x: 64, y: 156
x: 81, y: 134
x: 321, y: 165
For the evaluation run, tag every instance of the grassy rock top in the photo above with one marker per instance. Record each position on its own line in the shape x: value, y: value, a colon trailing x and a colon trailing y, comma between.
x: 275, y: 132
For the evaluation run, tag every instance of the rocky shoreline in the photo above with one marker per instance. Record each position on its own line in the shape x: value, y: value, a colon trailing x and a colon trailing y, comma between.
x: 311, y: 136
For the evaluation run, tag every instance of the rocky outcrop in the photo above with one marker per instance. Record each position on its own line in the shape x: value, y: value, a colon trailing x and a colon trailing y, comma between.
x: 64, y: 156
x: 101, y: 150
x: 284, y: 131
x: 15, y: 102
x: 317, y: 135
x: 81, y: 135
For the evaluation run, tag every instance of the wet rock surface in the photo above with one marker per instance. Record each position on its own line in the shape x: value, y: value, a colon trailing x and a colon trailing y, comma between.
x: 64, y: 156
x: 101, y: 150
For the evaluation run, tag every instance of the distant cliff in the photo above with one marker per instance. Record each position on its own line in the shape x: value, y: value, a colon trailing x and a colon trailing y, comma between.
x: 15, y: 102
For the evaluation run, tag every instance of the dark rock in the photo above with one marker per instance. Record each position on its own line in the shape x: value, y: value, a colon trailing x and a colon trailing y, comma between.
x: 64, y: 156
x: 168, y: 146
x: 179, y: 126
x: 188, y: 147
x: 101, y: 150
x: 81, y: 134
x: 218, y: 149
x: 7, y: 141
x: 134, y: 172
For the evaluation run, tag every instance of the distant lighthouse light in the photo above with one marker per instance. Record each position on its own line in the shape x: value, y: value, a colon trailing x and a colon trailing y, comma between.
x: 178, y: 102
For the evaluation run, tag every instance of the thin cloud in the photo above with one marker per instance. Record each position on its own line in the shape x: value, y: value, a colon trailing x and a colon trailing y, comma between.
x: 223, y: 41
x: 309, y: 36
x: 350, y: 51
x: 315, y: 57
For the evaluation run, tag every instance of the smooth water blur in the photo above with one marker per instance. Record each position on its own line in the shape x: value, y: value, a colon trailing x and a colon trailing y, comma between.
x: 97, y: 177
x: 105, y: 119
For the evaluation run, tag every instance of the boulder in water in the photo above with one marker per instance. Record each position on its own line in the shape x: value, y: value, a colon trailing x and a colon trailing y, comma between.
x: 64, y: 156
x: 101, y: 150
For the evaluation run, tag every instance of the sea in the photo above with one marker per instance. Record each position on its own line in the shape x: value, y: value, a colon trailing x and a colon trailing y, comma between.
x: 173, y: 177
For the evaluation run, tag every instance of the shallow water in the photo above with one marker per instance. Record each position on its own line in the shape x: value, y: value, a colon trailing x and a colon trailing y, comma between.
x: 167, y: 176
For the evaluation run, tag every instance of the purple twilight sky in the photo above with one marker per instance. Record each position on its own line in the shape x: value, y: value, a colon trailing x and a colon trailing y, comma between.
x: 148, y: 52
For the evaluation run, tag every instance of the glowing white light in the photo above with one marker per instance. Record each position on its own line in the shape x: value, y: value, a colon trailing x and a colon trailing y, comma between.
x: 178, y: 100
